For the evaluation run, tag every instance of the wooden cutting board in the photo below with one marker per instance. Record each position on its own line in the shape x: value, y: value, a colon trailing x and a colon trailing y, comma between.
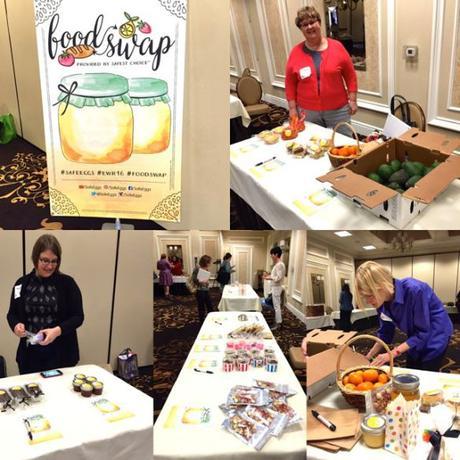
x: 324, y: 445
x: 346, y: 421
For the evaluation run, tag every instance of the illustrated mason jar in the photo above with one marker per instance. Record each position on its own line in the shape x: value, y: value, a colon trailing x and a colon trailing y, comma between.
x: 95, y: 118
x: 152, y: 115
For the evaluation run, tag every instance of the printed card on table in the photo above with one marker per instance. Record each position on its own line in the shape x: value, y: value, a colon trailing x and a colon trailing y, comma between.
x: 112, y: 84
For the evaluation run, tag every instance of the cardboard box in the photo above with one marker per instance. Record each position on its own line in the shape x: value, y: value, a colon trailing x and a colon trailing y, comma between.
x: 318, y: 340
x: 351, y: 182
x: 321, y: 368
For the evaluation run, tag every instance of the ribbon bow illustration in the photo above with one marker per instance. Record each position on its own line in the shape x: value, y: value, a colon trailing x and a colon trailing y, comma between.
x: 68, y: 92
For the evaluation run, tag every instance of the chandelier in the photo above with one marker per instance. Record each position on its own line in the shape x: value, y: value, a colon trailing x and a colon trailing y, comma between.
x: 344, y: 4
x: 402, y: 242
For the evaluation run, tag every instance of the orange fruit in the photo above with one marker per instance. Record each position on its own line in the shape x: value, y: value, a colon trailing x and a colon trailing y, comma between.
x: 355, y: 378
x: 351, y: 150
x: 345, y: 380
x: 383, y: 378
x: 365, y: 386
x: 350, y: 386
x: 370, y: 375
x: 335, y: 151
x: 360, y: 372
x: 378, y: 384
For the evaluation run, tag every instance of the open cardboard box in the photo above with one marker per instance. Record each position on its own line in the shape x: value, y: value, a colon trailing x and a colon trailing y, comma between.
x: 321, y: 368
x: 351, y: 182
x: 319, y: 341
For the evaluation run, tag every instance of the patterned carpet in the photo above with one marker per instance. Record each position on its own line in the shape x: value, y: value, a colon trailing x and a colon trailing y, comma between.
x: 144, y: 382
x: 24, y: 198
x: 451, y: 361
x: 176, y: 327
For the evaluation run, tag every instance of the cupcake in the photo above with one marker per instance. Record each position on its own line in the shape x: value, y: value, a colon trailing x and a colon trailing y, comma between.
x: 272, y: 365
x: 243, y: 364
x: 86, y: 390
x: 79, y: 376
x: 97, y: 388
x: 228, y: 365
x: 91, y: 379
x: 77, y: 383
x: 34, y: 389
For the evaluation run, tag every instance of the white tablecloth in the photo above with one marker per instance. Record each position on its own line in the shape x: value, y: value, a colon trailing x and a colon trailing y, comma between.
x: 86, y: 435
x: 356, y: 314
x: 273, y: 195
x: 333, y: 398
x: 239, y: 298
x: 317, y: 322
x: 176, y: 279
x: 237, y: 109
x: 195, y: 389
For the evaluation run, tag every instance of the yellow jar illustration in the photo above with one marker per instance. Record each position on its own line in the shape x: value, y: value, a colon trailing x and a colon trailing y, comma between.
x: 152, y: 115
x: 95, y: 118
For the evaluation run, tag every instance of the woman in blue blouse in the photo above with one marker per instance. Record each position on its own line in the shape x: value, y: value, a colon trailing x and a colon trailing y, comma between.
x: 411, y: 306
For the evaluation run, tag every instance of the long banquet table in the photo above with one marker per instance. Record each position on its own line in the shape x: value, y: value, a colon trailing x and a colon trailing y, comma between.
x: 281, y: 194
x: 85, y: 432
x: 334, y: 399
x: 239, y: 298
x: 194, y: 389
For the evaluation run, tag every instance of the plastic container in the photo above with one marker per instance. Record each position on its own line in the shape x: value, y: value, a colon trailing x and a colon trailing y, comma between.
x: 373, y: 429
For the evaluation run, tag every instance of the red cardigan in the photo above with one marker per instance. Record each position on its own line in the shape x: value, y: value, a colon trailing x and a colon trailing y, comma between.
x: 336, y: 70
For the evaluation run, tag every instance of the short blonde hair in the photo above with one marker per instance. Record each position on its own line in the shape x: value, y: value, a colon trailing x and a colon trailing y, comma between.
x: 371, y: 278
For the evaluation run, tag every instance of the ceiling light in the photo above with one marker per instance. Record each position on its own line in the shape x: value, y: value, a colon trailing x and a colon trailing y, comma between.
x: 343, y: 233
x: 369, y: 247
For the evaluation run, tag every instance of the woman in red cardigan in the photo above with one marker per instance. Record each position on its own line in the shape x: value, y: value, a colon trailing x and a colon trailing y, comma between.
x: 320, y: 78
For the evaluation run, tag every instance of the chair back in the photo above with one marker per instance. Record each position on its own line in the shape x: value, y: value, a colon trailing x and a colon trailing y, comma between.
x: 249, y: 89
x: 409, y: 112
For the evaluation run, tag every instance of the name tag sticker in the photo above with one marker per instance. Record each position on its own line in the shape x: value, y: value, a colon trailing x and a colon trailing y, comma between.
x: 17, y: 291
x: 305, y: 72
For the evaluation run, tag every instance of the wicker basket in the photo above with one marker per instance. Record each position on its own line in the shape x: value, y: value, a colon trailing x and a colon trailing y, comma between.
x: 337, y: 160
x: 353, y: 397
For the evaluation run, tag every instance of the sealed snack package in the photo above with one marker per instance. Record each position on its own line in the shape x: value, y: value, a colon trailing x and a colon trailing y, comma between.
x: 247, y: 430
x: 275, y: 421
x: 247, y: 332
x: 34, y: 390
x: 243, y: 395
x: 277, y: 388
x: 283, y: 408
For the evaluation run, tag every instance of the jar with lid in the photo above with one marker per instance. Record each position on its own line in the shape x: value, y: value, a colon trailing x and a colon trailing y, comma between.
x: 373, y: 429
x: 152, y: 114
x: 407, y: 385
x: 95, y: 118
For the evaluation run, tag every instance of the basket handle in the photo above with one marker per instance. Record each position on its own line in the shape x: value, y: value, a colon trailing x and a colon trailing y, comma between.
x: 359, y: 337
x: 355, y: 134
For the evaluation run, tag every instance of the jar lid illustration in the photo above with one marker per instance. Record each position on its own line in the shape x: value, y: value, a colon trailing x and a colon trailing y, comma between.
x: 93, y: 89
x: 148, y: 91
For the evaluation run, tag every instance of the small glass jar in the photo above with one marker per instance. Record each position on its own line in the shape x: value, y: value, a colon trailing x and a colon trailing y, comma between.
x: 373, y: 429
x: 95, y: 118
x: 152, y: 114
x: 407, y: 385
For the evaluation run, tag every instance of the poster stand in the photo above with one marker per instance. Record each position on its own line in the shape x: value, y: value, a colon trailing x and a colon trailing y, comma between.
x: 117, y: 225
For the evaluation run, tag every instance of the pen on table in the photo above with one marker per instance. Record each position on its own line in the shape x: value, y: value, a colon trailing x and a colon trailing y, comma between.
x: 220, y: 324
x: 29, y: 432
x: 266, y: 161
x: 323, y: 420
x: 203, y: 372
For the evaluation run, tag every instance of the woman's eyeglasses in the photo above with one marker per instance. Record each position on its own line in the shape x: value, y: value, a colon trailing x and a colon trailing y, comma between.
x: 46, y: 261
x: 305, y: 24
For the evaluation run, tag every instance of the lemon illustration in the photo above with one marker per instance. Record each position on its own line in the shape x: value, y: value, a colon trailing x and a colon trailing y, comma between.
x: 128, y: 29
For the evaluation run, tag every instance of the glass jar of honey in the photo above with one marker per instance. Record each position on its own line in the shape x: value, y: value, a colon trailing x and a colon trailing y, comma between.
x: 373, y: 429
x: 152, y: 114
x: 95, y: 118
x: 407, y: 385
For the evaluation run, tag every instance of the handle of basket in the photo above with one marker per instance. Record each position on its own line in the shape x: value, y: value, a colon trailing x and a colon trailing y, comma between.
x: 359, y: 337
x: 344, y: 123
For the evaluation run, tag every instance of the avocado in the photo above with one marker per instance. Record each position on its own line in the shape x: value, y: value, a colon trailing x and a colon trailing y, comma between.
x: 427, y: 169
x: 435, y: 163
x: 400, y: 177
x: 413, y: 168
x: 375, y: 177
x: 400, y: 190
x: 395, y: 165
x: 393, y: 185
x: 385, y: 171
x: 412, y: 181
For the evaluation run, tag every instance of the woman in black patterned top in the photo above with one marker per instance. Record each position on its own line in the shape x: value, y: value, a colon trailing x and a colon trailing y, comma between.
x: 49, y: 302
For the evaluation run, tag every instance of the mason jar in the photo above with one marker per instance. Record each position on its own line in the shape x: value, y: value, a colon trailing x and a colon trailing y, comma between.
x: 407, y: 385
x: 152, y: 114
x: 95, y: 118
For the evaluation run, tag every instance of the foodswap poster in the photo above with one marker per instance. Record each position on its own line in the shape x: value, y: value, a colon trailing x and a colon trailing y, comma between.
x: 112, y: 81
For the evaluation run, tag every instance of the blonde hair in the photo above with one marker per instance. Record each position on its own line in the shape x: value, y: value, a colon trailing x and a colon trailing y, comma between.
x: 371, y: 278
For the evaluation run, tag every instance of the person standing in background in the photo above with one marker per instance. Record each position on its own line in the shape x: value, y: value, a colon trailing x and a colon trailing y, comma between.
x: 346, y: 307
x: 202, y: 290
x: 225, y: 271
x: 276, y: 277
x: 166, y: 279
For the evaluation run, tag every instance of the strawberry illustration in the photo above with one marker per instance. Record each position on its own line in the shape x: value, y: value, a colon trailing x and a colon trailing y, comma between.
x: 144, y: 27
x: 67, y: 60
